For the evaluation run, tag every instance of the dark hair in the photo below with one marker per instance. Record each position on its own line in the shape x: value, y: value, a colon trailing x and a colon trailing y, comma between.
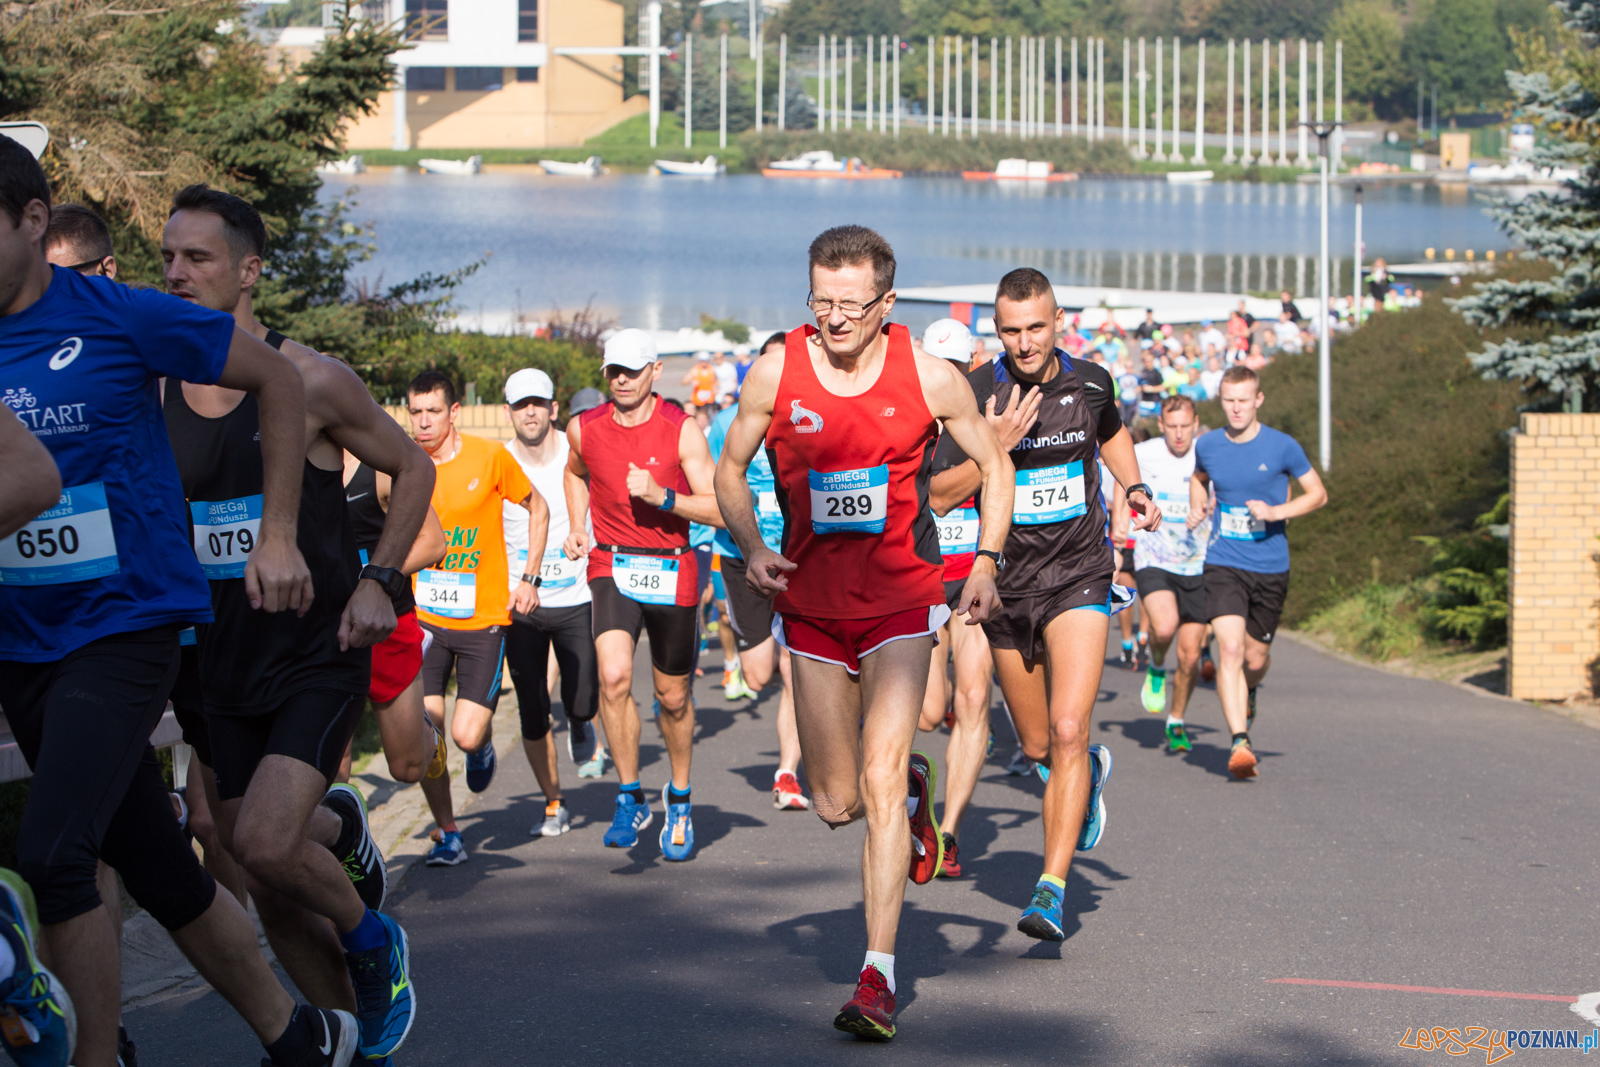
x: 1024, y: 283
x: 776, y: 339
x: 81, y: 230
x: 846, y: 246
x: 22, y: 180
x: 1175, y: 403
x: 432, y: 381
x: 247, y: 234
x: 1240, y: 373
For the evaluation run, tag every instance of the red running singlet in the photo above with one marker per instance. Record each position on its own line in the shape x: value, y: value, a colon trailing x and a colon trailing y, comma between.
x: 607, y: 449
x: 852, y: 479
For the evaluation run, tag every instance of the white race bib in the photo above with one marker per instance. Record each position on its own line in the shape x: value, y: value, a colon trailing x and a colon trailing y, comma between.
x: 225, y: 533
x: 1239, y: 525
x: 849, y: 501
x: 1049, y: 494
x: 72, y: 542
x: 958, y: 532
x: 1174, y: 507
x: 556, y: 571
x: 448, y: 594
x: 647, y: 579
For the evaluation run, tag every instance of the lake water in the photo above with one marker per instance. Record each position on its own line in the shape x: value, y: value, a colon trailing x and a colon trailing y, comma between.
x: 659, y: 252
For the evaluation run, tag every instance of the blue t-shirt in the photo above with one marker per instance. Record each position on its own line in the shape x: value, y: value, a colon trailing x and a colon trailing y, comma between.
x: 1259, y: 469
x: 79, y: 367
x: 762, y: 489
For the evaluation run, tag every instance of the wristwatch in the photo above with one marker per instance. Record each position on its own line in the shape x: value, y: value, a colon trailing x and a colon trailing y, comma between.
x: 393, y: 582
x: 1140, y: 487
x: 998, y: 557
x: 670, y: 499
x: 537, y: 580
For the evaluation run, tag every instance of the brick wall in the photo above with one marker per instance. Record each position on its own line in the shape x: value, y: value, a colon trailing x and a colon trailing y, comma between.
x: 479, y: 420
x: 1555, y: 592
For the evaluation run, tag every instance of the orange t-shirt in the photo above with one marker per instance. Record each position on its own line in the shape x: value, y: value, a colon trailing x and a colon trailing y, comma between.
x: 704, y: 385
x: 467, y: 590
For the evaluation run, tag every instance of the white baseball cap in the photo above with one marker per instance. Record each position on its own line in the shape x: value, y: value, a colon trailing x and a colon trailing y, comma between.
x: 630, y: 349
x: 529, y: 382
x: 948, y: 339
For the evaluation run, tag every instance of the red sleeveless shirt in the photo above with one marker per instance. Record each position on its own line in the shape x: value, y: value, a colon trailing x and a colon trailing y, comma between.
x: 852, y: 479
x: 607, y: 448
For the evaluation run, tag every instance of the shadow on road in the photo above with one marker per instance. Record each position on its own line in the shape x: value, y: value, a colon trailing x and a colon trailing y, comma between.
x: 711, y: 824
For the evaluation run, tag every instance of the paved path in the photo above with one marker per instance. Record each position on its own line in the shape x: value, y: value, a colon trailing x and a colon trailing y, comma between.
x: 1402, y: 832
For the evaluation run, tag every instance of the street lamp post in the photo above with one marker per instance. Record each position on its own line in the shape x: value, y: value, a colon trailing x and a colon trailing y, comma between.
x: 1355, y: 282
x: 1324, y: 130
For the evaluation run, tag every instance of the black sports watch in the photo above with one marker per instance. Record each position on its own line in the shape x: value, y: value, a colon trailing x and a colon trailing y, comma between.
x: 998, y: 557
x: 1140, y: 487
x: 393, y: 582
x: 536, y: 579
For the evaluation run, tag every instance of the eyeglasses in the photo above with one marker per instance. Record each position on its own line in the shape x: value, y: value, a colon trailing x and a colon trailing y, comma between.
x: 850, y: 309
x: 99, y: 265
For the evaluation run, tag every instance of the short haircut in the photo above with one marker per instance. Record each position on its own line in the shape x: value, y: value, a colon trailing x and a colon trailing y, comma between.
x: 81, y: 230
x: 1024, y: 283
x: 1177, y: 403
x: 22, y: 180
x: 779, y: 338
x: 1240, y: 373
x: 846, y: 246
x: 246, y: 233
x: 432, y: 381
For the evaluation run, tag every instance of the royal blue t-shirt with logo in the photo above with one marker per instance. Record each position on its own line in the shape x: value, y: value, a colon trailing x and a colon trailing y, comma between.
x: 1259, y: 469
x: 79, y: 368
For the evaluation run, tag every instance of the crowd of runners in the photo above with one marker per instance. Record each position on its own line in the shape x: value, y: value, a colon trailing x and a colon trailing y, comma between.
x: 207, y: 512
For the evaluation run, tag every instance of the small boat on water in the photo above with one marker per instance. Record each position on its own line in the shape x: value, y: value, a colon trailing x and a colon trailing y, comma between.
x: 1035, y: 170
x: 850, y: 169
x: 589, y: 168
x: 707, y: 167
x: 470, y: 165
x: 809, y: 161
x: 1189, y: 177
x: 353, y: 165
x: 1520, y: 172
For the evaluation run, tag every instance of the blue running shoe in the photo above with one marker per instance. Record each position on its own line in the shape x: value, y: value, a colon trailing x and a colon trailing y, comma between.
x: 385, y: 1002
x: 448, y: 849
x: 1042, y: 918
x: 1094, y: 818
x: 629, y: 818
x: 677, y: 836
x: 1043, y: 772
x: 37, y: 1022
x: 480, y: 767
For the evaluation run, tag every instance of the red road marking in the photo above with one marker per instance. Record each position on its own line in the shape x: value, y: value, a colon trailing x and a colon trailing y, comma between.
x: 1425, y: 989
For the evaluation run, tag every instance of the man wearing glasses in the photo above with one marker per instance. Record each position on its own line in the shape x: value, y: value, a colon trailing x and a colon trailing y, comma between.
x: 645, y: 468
x: 849, y: 415
x: 79, y: 240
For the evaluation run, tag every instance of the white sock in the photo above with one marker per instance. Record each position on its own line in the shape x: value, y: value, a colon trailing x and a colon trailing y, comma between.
x: 1173, y: 720
x: 884, y: 961
x: 730, y: 664
x: 911, y: 806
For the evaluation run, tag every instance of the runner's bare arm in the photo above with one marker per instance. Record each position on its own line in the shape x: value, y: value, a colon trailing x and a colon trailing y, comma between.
x: 525, y: 597
x: 1010, y: 424
x: 765, y: 569
x: 1120, y: 513
x: 276, y: 577
x: 1118, y: 456
x: 575, y: 487
x: 1313, y: 496
x: 1199, y: 498
x: 694, y: 458
x: 29, y: 481
x: 429, y: 547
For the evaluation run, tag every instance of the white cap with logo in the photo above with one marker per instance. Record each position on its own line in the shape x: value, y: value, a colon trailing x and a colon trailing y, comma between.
x: 630, y: 349
x: 529, y: 382
x: 948, y: 339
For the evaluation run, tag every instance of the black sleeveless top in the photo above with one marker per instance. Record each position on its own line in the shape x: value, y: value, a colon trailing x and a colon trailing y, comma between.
x: 366, y: 519
x: 252, y: 661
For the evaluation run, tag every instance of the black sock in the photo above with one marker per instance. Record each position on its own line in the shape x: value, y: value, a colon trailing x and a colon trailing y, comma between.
x: 634, y: 790
x: 1241, y: 736
x: 298, y: 1040
x: 579, y: 729
x: 675, y: 797
x: 346, y: 841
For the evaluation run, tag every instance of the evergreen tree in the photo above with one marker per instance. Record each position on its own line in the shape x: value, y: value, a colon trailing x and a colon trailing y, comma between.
x: 1559, y: 357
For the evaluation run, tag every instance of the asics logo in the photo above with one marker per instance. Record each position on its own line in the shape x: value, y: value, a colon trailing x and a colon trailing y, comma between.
x: 798, y: 415
x: 66, y: 353
x: 1262, y: 467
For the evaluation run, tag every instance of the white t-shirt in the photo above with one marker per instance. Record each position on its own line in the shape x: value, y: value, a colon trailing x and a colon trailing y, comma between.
x: 1213, y: 336
x: 727, y: 379
x: 1172, y: 546
x: 1211, y: 382
x: 566, y: 581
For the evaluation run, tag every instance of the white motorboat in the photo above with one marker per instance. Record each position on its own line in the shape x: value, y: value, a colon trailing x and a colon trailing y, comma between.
x: 1520, y: 172
x: 707, y: 167
x: 1189, y: 177
x: 589, y: 168
x: 820, y: 160
x: 470, y: 165
x: 353, y: 165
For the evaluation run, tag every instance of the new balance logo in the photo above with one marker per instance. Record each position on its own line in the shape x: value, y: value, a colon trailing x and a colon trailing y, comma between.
x: 886, y: 412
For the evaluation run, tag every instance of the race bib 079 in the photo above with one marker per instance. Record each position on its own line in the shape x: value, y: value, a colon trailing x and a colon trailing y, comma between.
x: 225, y: 533
x: 1238, y: 524
x: 1049, y: 494
x: 647, y: 579
x: 72, y: 542
x: 958, y: 532
x: 849, y: 501
x: 448, y: 594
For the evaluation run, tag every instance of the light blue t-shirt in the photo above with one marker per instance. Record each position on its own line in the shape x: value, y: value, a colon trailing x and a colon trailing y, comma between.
x: 79, y: 368
x: 1259, y: 469
x: 762, y: 488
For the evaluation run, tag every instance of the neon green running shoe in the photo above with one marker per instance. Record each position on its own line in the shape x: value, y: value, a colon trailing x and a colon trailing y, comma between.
x: 1177, y: 739
x: 1154, y: 692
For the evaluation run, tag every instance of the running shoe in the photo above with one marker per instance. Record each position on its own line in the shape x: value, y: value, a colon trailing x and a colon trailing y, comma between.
x: 128, y: 1052
x: 1129, y: 660
x: 1177, y: 739
x: 595, y: 765
x: 950, y: 864
x: 480, y: 767
x: 1043, y: 772
x: 1141, y: 651
x: 441, y: 755
x: 677, y: 835
x: 927, y: 847
x: 1154, y: 693
x: 37, y: 1023
x: 1250, y: 716
x: 1242, y: 760
x: 557, y: 821
x: 949, y: 721
x: 989, y: 748
x: 385, y: 1003
x: 870, y: 1013
x: 583, y: 744
x: 1208, y: 666
x: 1042, y: 917
x: 333, y: 1045
x: 733, y: 687
x: 655, y: 708
x: 363, y: 863
x: 448, y: 849
x: 1020, y: 766
x: 1094, y: 819
x: 626, y: 822
x: 786, y: 794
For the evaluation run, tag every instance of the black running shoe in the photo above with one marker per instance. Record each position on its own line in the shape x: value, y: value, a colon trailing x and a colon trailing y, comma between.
x: 363, y: 863
x: 334, y: 1043
x: 127, y: 1054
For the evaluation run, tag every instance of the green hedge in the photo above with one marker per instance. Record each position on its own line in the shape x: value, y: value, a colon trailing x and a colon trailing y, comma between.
x: 484, y: 359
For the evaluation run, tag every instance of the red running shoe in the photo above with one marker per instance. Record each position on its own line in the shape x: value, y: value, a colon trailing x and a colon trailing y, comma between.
x: 950, y: 866
x: 786, y: 794
x: 870, y: 1013
x: 927, y: 846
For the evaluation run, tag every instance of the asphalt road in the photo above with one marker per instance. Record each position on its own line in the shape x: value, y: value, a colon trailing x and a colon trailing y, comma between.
x: 1401, y: 832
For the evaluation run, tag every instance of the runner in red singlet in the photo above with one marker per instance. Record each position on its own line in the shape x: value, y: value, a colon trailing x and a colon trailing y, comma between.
x: 646, y: 469
x: 850, y: 415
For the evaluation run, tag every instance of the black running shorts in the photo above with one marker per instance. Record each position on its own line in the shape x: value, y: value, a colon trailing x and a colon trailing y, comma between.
x: 477, y: 657
x: 1257, y: 597
x: 1021, y: 622
x: 750, y: 615
x: 313, y: 726
x: 674, y: 635
x: 189, y: 706
x: 1190, y: 589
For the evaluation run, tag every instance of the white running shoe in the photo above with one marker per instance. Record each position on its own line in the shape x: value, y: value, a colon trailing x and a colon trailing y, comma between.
x: 556, y: 821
